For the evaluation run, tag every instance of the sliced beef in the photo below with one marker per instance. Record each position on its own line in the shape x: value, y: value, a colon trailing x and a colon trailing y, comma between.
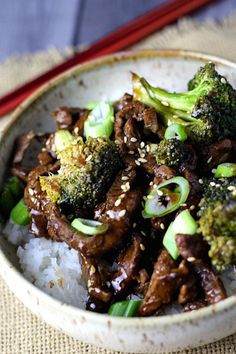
x: 211, y: 284
x: 192, y: 247
x: 163, y: 173
x: 215, y: 154
x: 166, y: 279
x: 128, y: 266
x: 69, y: 117
x: 195, y: 193
x: 195, y: 250
x: 188, y: 291
x: 118, y: 217
x: 132, y: 136
x: 94, y: 275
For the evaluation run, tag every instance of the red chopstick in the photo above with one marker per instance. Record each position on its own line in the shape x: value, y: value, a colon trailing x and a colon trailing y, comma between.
x: 120, y: 39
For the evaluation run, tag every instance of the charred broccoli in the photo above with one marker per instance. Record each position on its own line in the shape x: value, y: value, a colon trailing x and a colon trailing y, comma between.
x: 207, y: 110
x: 218, y: 221
x: 171, y: 152
x: 86, y: 172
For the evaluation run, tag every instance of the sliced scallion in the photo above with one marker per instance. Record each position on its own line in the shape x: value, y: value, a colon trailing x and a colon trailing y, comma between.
x: 163, y: 200
x: 20, y: 214
x: 226, y: 169
x: 127, y: 308
x: 100, y: 121
x: 89, y: 227
x: 176, y: 131
x: 184, y: 223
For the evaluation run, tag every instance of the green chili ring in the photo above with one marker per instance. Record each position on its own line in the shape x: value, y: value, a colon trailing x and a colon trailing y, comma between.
x: 153, y: 206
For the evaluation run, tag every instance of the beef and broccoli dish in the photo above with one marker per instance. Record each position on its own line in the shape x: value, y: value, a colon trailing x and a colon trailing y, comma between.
x: 143, y: 190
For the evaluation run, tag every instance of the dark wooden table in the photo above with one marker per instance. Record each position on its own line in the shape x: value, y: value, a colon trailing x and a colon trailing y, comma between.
x: 31, y: 25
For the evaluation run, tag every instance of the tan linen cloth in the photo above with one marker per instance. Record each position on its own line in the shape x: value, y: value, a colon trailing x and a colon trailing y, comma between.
x: 20, y: 331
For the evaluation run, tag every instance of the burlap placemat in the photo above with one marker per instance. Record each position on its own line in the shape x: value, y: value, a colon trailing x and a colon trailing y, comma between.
x: 20, y: 331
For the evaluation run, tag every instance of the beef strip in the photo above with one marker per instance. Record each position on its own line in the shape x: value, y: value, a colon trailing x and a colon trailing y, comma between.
x: 69, y: 117
x: 128, y: 263
x: 195, y: 193
x: 163, y: 173
x: 92, y: 273
x: 132, y: 135
x: 195, y: 250
x: 192, y: 247
x: 166, y: 279
x: 22, y: 145
x: 215, y: 154
x: 188, y: 291
x: 211, y: 284
x: 119, y: 219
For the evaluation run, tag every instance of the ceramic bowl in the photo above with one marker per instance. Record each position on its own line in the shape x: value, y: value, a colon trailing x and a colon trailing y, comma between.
x: 108, y: 78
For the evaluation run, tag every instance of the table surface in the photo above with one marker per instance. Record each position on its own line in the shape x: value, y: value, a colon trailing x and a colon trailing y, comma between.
x: 28, y: 26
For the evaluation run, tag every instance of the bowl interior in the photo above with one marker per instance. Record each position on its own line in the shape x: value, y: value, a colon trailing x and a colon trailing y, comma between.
x: 106, y: 79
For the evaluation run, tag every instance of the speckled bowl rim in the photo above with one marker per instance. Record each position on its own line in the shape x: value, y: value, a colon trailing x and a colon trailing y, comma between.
x: 137, y: 322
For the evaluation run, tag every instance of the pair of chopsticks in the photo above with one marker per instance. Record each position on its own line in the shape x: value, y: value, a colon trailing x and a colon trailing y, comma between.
x: 118, y: 40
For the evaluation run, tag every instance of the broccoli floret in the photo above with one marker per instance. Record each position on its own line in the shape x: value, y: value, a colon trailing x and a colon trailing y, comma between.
x: 86, y: 173
x: 171, y: 152
x: 207, y: 110
x: 218, y: 221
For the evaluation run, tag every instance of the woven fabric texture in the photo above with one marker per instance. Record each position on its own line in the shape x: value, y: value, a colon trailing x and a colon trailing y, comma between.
x: 20, y: 331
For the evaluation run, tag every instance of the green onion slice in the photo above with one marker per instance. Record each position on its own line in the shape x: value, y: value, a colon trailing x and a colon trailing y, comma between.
x: 127, y: 308
x: 176, y: 131
x: 184, y: 223
x: 100, y: 121
x: 89, y: 227
x: 63, y: 138
x: 20, y: 213
x: 166, y: 197
x: 226, y: 169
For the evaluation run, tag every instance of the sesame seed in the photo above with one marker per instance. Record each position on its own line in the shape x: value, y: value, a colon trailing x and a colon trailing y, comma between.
x: 159, y: 192
x: 144, y: 197
x: 31, y: 191
x: 143, y: 233
x: 231, y: 188
x: 122, y: 196
x: 108, y: 283
x: 125, y: 139
x: 76, y: 130
x: 137, y: 162
x: 192, y: 207
x: 217, y: 185
x: 124, y: 178
x: 162, y: 226
x: 200, y: 181
x: 110, y: 213
x: 131, y: 152
x: 117, y: 141
x: 191, y: 259
x: 222, y: 80
x: 142, y: 247
x: 89, y: 283
x: 151, y: 183
x: 142, y: 155
x: 212, y: 184
x: 134, y: 224
x: 209, y: 160
x: 150, y: 197
x: 142, y: 144
x: 88, y: 158
x: 183, y: 204
x: 164, y: 103
x: 213, y: 170
x: 148, y: 148
x: 142, y: 160
x: 122, y: 213
x: 117, y: 202
x: 92, y: 270
x: 133, y: 140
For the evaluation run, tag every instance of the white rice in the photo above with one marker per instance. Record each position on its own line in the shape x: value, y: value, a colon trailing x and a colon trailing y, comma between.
x: 55, y: 268
x: 51, y: 266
